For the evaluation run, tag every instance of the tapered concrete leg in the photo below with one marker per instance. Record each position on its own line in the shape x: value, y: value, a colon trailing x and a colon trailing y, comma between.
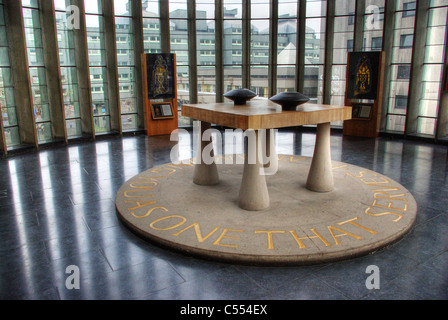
x: 270, y: 153
x: 254, y: 195
x: 205, y: 170
x: 320, y: 177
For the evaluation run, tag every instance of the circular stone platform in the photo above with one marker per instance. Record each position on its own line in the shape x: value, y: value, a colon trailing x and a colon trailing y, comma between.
x: 366, y: 211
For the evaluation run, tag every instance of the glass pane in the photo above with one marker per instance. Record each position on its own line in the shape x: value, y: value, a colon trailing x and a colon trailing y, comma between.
x: 426, y: 126
x: 9, y: 117
x: 12, y: 136
x: 72, y: 110
x: 316, y: 8
x: 287, y: 8
x: 233, y: 9
x: 178, y: 9
x: 206, y: 84
x: 102, y: 124
x: 128, y: 105
x: 129, y: 122
x: 259, y: 81
x: 150, y: 8
x: 123, y: 7
x: 205, y: 9
x: 232, y: 77
x: 73, y: 127
x: 345, y: 7
x: 395, y: 123
x: 93, y: 6
x: 313, y: 86
x: 259, y: 9
x: 43, y: 132
x: 428, y: 108
x: 286, y: 78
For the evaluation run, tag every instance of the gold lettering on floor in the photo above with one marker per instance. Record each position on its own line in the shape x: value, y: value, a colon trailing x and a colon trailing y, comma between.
x: 385, y: 196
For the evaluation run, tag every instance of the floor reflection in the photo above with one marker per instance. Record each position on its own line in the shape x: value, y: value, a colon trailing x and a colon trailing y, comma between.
x: 57, y: 209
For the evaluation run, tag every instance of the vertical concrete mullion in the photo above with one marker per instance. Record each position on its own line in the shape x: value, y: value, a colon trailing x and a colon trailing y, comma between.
x: 139, y: 49
x: 442, y: 117
x: 20, y: 72
x: 165, y: 26
x: 418, y: 58
x: 219, y: 49
x: 328, y: 65
x: 83, y: 73
x: 358, y: 40
x: 192, y: 52
x: 388, y: 43
x: 112, y: 68
x: 52, y: 69
x: 300, y: 50
x: 246, y: 44
x: 273, y: 34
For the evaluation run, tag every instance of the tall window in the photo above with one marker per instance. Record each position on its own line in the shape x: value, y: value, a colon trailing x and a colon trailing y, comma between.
x: 7, y: 101
x: 432, y: 68
x: 286, y: 45
x: 373, y: 25
x: 97, y: 64
x: 259, y: 47
x: 126, y: 64
x: 179, y: 45
x: 401, y: 64
x: 33, y: 33
x: 206, y: 50
x: 315, y: 49
x: 233, y: 47
x: 68, y: 69
x: 342, y: 44
x: 151, y: 26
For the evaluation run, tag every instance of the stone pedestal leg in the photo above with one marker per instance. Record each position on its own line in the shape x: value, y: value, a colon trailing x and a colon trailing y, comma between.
x: 320, y: 177
x: 270, y: 153
x: 205, y: 172
x: 254, y: 195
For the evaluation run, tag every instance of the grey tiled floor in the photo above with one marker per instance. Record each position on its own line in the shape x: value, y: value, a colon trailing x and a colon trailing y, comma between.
x: 57, y: 209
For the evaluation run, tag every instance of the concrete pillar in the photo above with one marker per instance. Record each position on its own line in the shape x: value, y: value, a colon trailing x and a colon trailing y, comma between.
x: 139, y: 49
x: 328, y: 64
x: 246, y: 44
x: 192, y: 52
x: 219, y: 49
x: 300, y: 50
x: 253, y: 195
x: 53, y: 70
x: 165, y: 26
x: 110, y: 47
x: 388, y: 43
x: 358, y: 41
x: 205, y: 174
x: 320, y: 177
x: 273, y: 39
x: 442, y: 118
x: 83, y: 73
x: 20, y: 72
x: 417, y: 70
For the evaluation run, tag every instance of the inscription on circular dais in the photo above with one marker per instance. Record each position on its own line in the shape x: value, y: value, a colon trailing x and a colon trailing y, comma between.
x: 365, y: 212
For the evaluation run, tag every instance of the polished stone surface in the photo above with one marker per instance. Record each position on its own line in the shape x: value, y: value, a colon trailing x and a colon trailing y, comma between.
x: 364, y: 212
x: 57, y: 209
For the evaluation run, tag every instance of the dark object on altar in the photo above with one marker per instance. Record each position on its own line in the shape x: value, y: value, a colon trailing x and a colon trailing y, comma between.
x: 289, y: 100
x: 240, y: 96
